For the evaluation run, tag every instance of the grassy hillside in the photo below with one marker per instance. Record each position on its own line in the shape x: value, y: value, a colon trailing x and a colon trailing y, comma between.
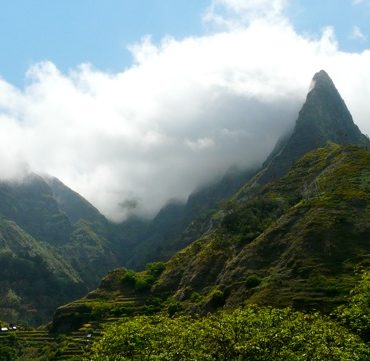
x: 121, y: 293
x: 125, y: 328
x: 296, y: 242
x: 30, y: 203
x: 46, y: 258
x: 178, y: 224
x: 34, y: 278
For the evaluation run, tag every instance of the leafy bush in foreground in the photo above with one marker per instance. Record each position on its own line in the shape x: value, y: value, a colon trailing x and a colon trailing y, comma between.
x: 250, y: 333
x: 356, y: 315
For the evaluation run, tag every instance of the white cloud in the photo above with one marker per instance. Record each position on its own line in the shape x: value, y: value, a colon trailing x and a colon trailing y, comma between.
x: 234, y: 13
x: 184, y: 112
x: 200, y: 144
x: 357, y: 34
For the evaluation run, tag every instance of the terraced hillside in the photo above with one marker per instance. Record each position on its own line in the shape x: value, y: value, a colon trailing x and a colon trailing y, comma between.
x: 297, y: 242
x: 39, y: 344
x: 122, y: 293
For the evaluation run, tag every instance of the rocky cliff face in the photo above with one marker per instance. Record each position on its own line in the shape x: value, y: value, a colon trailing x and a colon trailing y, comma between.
x: 323, y: 118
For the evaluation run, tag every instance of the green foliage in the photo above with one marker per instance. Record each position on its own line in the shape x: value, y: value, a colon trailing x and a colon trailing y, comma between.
x: 143, y: 281
x: 356, y: 314
x: 33, y: 277
x: 173, y: 308
x: 303, y: 234
x: 155, y: 268
x: 11, y: 299
x: 252, y: 281
x: 251, y: 218
x: 216, y: 298
x: 243, y: 334
x: 8, y: 347
x: 129, y: 279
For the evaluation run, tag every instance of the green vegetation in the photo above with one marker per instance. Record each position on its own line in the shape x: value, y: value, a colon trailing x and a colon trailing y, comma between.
x: 143, y: 281
x: 249, y: 333
x: 177, y: 224
x: 295, y: 242
x: 292, y: 240
x: 252, y: 281
x: 34, y: 278
x: 244, y: 333
x: 52, y: 248
x: 121, y: 293
x: 8, y: 347
x: 356, y: 314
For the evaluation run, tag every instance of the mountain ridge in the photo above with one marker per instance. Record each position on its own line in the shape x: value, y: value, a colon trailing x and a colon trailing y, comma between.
x: 75, y: 232
x: 296, y: 243
x: 281, y: 239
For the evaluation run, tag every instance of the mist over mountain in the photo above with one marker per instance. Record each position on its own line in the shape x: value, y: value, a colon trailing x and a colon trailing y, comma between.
x: 324, y: 118
x: 291, y: 234
x: 179, y: 117
x: 46, y: 221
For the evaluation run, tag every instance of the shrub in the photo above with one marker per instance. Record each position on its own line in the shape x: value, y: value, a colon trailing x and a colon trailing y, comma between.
x: 217, y: 298
x: 129, y: 279
x: 250, y: 333
x: 252, y: 281
x: 356, y: 314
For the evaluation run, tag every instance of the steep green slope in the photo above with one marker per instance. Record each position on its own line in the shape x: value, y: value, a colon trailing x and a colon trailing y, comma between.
x: 89, y: 253
x: 61, y: 257
x: 93, y: 232
x: 74, y: 205
x: 91, y: 248
x: 259, y: 235
x: 177, y: 224
x: 30, y: 203
x: 34, y: 278
x: 296, y: 242
x: 121, y: 293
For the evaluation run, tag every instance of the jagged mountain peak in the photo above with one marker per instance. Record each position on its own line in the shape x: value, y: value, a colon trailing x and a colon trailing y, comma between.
x: 324, y: 118
x: 321, y: 81
x: 322, y: 76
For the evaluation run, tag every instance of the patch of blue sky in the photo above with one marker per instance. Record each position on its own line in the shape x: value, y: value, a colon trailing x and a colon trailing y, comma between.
x: 350, y: 20
x: 71, y: 32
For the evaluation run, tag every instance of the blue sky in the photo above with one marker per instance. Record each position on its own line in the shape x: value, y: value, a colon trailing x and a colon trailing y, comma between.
x: 343, y: 15
x: 70, y: 32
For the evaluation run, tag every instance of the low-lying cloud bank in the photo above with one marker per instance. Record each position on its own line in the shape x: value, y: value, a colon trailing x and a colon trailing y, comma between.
x: 182, y: 114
